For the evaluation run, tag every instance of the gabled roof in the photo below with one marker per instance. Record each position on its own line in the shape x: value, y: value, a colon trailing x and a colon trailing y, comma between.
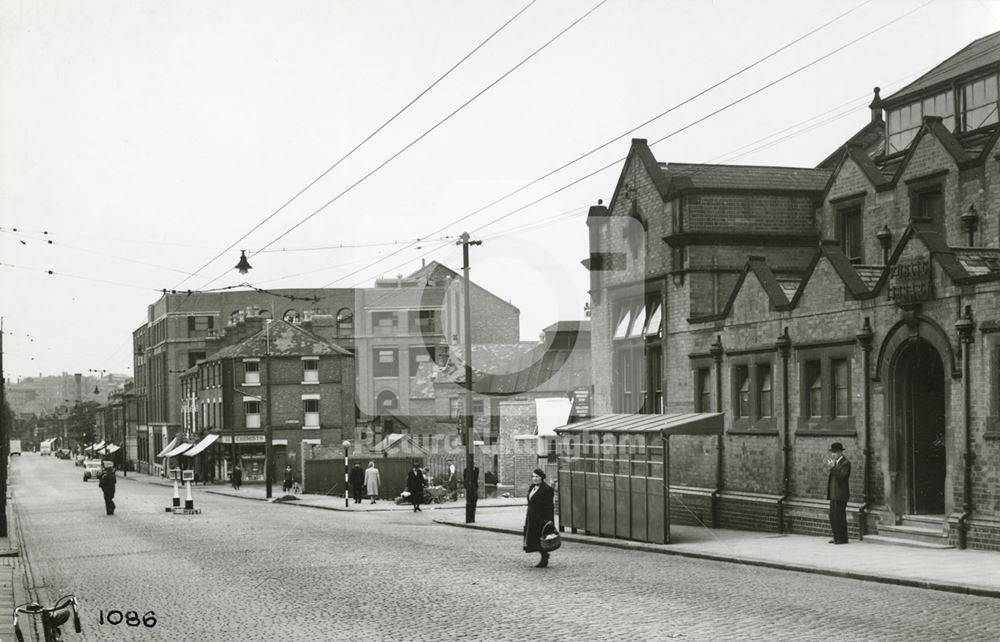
x: 751, y: 177
x: 892, y: 167
x: 976, y: 55
x: 640, y: 150
x: 870, y: 138
x: 776, y: 293
x: 286, y: 340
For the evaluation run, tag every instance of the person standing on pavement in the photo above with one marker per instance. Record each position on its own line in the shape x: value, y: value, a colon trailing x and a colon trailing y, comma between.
x: 289, y: 479
x: 541, y: 511
x: 491, y: 483
x: 415, y: 482
x: 357, y: 480
x: 107, y: 485
x: 237, y: 477
x: 372, y: 481
x: 838, y: 491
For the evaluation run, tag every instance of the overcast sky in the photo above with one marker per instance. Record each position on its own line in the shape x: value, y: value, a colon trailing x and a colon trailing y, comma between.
x: 144, y: 137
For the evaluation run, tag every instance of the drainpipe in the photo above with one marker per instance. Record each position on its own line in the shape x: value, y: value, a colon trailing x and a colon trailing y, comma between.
x: 784, y: 346
x: 865, y: 337
x: 716, y: 351
x: 965, y: 327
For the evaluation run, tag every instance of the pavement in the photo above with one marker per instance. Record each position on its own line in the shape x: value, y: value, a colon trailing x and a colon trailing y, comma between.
x: 969, y: 572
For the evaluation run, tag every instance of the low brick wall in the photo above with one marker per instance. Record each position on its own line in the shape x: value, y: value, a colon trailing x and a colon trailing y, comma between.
x: 748, y: 511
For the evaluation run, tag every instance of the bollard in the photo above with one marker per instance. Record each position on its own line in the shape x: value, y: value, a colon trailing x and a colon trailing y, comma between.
x: 189, y: 502
x: 177, y: 495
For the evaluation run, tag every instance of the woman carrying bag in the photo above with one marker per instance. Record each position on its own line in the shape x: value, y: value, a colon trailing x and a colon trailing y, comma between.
x: 541, y: 514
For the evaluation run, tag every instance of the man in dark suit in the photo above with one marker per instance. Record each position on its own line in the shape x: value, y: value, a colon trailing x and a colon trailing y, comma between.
x: 838, y: 491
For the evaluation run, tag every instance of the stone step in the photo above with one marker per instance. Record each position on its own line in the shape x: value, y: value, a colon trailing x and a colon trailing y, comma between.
x: 921, y: 520
x: 896, y: 541
x: 932, y: 535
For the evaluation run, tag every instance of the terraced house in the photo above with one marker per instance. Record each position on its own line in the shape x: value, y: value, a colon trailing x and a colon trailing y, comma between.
x: 857, y: 301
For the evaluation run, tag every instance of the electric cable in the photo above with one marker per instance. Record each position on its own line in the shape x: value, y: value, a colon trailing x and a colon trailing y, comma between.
x: 428, y: 131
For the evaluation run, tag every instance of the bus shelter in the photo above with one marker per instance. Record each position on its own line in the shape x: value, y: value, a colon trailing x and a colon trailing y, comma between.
x: 614, y: 472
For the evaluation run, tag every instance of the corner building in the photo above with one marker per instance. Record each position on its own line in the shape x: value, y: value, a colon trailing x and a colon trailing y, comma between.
x: 857, y: 301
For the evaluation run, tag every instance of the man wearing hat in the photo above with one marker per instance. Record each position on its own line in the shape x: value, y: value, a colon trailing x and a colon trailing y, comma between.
x: 838, y: 491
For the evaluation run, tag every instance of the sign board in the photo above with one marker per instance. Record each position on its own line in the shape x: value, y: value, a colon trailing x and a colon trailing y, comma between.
x: 910, y: 281
x: 242, y: 439
x: 175, y: 473
x: 581, y: 403
x: 187, y: 475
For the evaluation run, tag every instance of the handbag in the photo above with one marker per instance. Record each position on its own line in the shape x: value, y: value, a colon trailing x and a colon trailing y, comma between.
x: 551, y: 540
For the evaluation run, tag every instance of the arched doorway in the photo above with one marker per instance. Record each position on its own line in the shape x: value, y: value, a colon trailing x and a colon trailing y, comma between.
x: 920, y: 429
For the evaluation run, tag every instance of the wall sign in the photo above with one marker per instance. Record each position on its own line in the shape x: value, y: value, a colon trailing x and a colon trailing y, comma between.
x: 911, y: 281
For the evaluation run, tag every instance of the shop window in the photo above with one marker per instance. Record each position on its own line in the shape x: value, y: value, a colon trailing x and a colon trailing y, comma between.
x: 385, y: 362
x: 251, y: 373
x: 310, y: 411
x: 252, y: 410
x: 310, y: 370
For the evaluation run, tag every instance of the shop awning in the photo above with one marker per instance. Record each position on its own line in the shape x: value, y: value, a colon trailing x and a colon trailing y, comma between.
x: 111, y: 449
x: 177, y: 450
x: 201, y: 445
x: 692, y: 423
x: 96, y: 446
x: 169, y: 447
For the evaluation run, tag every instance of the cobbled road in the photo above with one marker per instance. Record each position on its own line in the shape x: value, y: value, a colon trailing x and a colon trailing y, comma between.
x: 250, y: 570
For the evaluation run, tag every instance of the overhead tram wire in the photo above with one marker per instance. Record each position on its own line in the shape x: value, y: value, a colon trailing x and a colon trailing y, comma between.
x: 717, y: 111
x: 657, y: 141
x: 428, y: 131
x: 637, y: 127
x: 365, y: 140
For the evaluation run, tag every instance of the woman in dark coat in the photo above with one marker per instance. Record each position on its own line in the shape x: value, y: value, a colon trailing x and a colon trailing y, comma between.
x: 541, y: 510
x: 415, y: 482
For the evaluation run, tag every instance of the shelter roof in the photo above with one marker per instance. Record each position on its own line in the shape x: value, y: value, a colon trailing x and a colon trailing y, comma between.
x: 694, y: 423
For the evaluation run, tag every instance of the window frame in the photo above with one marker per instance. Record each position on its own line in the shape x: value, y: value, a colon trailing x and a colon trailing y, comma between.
x: 306, y: 377
x: 828, y: 422
x: 750, y: 365
x: 307, y: 414
x: 844, y: 214
x: 381, y: 370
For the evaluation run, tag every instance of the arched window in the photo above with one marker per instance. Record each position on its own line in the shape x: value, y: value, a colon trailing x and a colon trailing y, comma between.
x: 345, y: 322
x: 291, y: 316
x: 386, y: 400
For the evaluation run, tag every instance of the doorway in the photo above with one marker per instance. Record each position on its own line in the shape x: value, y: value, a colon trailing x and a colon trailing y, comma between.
x: 921, y: 428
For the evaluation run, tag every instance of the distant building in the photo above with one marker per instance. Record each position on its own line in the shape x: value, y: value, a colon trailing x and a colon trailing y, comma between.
x: 301, y: 383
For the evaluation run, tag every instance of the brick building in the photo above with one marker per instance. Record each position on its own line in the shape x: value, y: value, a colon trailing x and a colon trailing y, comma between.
x: 183, y: 328
x: 858, y: 301
x: 282, y: 375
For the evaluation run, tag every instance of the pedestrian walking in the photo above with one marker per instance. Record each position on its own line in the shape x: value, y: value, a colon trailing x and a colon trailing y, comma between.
x: 237, y: 477
x: 356, y: 478
x: 372, y: 481
x: 415, y: 482
x: 541, y: 511
x: 838, y: 491
x: 451, y: 482
x: 289, y: 479
x: 107, y: 485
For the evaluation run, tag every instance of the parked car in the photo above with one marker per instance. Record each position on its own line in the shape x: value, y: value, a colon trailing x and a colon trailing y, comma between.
x: 63, y: 453
x: 79, y: 459
x: 92, y: 468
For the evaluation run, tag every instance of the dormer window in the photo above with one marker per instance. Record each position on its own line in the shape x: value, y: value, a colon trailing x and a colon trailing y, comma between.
x: 979, y: 103
x: 905, y: 121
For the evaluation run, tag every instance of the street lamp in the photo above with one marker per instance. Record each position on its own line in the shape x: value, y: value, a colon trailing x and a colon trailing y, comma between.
x: 347, y: 490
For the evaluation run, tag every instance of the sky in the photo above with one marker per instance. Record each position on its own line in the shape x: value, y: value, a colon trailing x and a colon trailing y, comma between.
x: 143, y: 143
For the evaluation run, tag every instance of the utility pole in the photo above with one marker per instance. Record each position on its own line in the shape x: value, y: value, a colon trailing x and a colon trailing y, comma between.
x: 268, y: 448
x: 4, y: 444
x: 471, y: 483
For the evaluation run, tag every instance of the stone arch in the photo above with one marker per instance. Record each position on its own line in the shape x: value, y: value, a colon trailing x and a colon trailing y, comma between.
x: 915, y: 327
